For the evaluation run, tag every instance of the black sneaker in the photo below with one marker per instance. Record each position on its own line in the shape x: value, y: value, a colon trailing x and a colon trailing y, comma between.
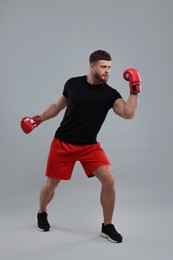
x: 109, y: 231
x: 42, y: 222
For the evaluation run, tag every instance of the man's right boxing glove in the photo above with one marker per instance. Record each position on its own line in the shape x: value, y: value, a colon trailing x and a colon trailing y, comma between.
x: 29, y: 123
x: 134, y: 79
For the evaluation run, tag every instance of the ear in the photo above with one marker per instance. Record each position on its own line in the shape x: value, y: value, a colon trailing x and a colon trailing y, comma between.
x: 92, y: 67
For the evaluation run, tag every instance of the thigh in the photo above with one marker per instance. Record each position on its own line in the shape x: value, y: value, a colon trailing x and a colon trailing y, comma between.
x: 59, y: 164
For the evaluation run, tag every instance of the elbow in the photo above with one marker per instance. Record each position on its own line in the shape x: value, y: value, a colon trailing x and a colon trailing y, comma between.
x: 128, y: 114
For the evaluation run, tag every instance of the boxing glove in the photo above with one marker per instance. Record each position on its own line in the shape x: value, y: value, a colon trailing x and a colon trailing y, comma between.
x: 29, y: 123
x: 134, y: 79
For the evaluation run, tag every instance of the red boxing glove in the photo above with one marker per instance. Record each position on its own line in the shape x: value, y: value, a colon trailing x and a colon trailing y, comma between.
x: 29, y: 123
x: 134, y: 79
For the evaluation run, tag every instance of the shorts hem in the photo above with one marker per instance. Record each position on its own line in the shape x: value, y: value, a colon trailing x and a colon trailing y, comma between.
x: 60, y: 178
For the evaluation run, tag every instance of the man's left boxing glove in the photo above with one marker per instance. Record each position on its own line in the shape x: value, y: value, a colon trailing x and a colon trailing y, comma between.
x: 29, y: 123
x: 134, y: 79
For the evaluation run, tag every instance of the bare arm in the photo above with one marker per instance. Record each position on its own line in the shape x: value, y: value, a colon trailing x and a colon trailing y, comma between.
x: 54, y: 109
x: 126, y: 109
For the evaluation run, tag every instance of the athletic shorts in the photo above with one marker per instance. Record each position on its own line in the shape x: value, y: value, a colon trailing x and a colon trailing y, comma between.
x: 63, y: 156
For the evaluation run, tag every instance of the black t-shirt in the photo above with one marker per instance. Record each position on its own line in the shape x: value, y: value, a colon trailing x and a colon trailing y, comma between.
x: 87, y: 107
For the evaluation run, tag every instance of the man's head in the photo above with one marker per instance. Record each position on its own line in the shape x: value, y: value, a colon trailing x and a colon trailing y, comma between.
x: 99, y: 55
x: 100, y: 64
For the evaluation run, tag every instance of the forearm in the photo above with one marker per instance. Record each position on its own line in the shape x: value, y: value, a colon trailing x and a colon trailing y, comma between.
x: 54, y: 109
x: 29, y: 123
x: 50, y: 112
x: 130, y: 106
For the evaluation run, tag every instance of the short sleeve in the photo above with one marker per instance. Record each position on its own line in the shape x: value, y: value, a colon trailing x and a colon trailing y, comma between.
x: 117, y: 95
x: 66, y: 86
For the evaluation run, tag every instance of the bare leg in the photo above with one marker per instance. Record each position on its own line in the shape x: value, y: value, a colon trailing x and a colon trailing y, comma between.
x: 47, y: 193
x: 107, y: 196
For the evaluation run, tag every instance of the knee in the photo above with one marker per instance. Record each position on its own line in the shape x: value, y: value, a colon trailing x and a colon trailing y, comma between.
x: 52, y: 183
x: 109, y: 180
x: 107, y: 177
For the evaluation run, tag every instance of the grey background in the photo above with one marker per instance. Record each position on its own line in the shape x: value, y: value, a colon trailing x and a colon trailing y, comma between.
x: 43, y: 43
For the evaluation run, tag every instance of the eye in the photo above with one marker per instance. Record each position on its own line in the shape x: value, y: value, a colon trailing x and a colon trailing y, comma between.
x: 104, y: 67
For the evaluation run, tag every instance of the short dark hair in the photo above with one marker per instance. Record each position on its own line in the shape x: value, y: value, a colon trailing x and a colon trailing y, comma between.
x: 99, y: 55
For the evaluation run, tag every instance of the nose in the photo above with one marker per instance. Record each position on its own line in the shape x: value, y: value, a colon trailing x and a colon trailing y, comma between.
x: 107, y: 70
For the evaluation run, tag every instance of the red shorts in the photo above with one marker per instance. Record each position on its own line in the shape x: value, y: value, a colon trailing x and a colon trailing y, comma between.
x: 63, y: 156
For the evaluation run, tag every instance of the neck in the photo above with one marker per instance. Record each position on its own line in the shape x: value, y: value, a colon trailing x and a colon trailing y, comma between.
x: 93, y: 81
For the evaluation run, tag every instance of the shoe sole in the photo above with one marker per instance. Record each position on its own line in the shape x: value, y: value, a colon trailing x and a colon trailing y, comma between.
x: 43, y: 230
x: 110, y: 239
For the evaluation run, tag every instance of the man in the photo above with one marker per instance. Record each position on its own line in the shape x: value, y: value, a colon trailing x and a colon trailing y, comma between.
x: 87, y: 100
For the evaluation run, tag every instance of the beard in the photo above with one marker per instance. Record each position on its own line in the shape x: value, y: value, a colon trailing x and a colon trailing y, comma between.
x: 101, y: 78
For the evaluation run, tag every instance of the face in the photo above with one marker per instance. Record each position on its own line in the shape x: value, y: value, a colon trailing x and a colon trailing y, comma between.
x: 100, y: 71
